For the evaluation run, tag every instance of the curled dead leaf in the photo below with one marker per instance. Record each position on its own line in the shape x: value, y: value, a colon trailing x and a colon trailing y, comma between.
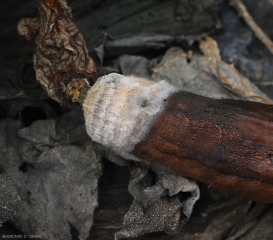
x: 61, y: 54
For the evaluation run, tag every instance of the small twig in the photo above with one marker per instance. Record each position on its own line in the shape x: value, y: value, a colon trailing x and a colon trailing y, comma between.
x: 263, y: 83
x: 259, y: 33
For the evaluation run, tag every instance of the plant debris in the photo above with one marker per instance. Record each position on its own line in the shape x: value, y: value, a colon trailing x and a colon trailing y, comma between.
x: 259, y: 33
x: 61, y: 56
x: 58, y: 178
x: 9, y: 199
x: 112, y: 36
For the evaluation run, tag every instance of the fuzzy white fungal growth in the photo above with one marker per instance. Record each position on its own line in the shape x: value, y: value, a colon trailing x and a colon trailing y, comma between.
x: 120, y: 110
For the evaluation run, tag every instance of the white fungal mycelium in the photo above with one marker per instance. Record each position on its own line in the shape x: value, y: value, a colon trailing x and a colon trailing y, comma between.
x: 120, y: 110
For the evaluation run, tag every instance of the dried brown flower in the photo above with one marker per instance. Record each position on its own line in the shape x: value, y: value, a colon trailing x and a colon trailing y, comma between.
x: 61, y: 55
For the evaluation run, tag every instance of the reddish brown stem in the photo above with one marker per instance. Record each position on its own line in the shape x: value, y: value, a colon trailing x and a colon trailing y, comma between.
x: 226, y: 144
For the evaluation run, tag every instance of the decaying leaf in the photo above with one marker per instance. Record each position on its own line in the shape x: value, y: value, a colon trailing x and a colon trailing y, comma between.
x: 61, y: 61
x: 9, y: 199
x: 206, y: 76
x: 209, y: 47
x: 159, y: 208
x: 57, y: 172
x: 228, y: 75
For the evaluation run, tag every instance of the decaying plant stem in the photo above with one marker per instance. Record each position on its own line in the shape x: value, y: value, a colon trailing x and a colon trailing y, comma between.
x: 227, y: 144
x: 61, y: 61
x: 259, y: 33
